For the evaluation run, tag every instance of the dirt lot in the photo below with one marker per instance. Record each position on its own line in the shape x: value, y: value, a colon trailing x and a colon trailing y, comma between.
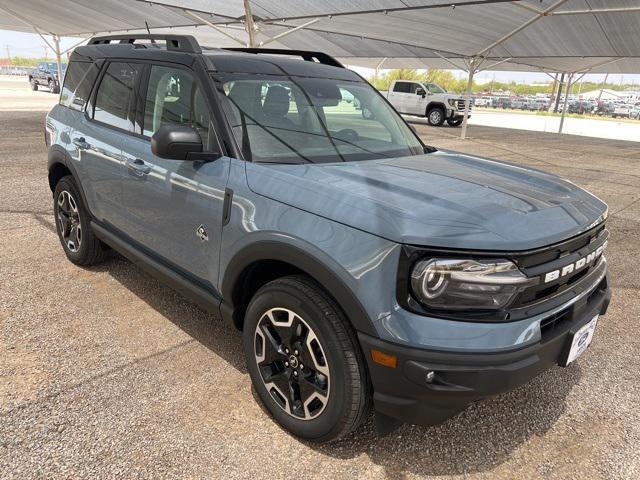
x: 104, y: 372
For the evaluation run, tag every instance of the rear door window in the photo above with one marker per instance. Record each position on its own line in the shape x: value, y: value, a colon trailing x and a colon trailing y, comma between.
x: 114, y: 98
x: 402, y: 87
x: 78, y: 83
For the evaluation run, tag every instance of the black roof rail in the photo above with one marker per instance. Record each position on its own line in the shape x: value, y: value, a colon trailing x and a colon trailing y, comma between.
x: 176, y: 43
x: 305, y: 54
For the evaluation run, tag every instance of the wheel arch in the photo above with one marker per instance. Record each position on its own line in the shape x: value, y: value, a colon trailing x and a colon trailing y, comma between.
x: 433, y: 105
x: 59, y: 166
x: 265, y: 260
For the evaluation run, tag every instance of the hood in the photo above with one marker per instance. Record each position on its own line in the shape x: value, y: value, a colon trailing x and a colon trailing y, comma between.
x: 442, y: 199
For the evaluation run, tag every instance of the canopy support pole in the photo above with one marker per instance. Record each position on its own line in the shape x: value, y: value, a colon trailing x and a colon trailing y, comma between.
x: 56, y: 43
x: 467, y: 100
x: 566, y: 101
x: 248, y: 25
x: 295, y: 29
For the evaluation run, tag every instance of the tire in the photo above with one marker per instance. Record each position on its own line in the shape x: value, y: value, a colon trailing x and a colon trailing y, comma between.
x: 73, y: 225
x: 455, y: 122
x: 334, y: 365
x: 53, y: 88
x: 34, y: 85
x: 366, y: 113
x: 435, y: 116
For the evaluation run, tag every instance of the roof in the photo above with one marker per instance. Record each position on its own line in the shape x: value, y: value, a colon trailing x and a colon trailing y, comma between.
x: 530, y: 35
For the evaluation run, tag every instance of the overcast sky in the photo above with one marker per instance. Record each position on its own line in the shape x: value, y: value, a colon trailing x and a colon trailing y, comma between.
x: 31, y: 45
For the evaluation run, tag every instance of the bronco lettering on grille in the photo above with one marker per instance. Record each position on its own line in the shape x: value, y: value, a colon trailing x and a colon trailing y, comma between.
x: 575, y: 266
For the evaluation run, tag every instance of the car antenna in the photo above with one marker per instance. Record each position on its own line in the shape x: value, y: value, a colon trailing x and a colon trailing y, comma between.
x: 149, y: 31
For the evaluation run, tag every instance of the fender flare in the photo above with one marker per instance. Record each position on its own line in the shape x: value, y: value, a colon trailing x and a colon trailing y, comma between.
x: 59, y: 156
x: 320, y: 269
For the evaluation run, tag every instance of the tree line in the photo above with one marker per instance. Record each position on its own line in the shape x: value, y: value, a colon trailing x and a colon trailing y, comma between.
x: 446, y: 79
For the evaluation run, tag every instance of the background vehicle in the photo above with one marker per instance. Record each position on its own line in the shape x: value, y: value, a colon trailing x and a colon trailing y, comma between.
x: 46, y: 74
x: 427, y: 100
x: 622, y: 110
x: 264, y: 195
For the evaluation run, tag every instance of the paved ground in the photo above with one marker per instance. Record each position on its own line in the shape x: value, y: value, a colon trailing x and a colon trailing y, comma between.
x: 104, y: 372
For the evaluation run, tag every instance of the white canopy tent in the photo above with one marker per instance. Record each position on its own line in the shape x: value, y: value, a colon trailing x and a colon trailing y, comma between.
x: 569, y: 36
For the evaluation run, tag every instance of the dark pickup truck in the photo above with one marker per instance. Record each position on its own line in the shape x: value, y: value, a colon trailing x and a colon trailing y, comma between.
x: 46, y: 74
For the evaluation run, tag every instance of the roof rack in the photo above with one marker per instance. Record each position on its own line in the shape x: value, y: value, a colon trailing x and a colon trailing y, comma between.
x: 176, y: 43
x: 305, y: 54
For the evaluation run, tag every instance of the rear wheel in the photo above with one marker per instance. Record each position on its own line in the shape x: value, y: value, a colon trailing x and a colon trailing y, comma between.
x: 304, y: 360
x: 455, y: 122
x: 435, y: 116
x: 73, y: 225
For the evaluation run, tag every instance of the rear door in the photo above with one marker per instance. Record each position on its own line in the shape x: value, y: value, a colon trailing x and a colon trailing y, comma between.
x: 174, y: 207
x: 97, y: 139
x: 399, y: 94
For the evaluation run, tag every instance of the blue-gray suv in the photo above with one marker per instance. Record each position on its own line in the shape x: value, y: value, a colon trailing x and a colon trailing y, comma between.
x: 362, y: 266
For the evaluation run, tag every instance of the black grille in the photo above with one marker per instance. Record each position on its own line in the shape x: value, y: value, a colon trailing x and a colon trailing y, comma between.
x: 555, y: 321
x: 571, y: 251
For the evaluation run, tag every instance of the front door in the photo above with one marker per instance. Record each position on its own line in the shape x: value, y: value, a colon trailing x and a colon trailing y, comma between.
x: 175, y: 207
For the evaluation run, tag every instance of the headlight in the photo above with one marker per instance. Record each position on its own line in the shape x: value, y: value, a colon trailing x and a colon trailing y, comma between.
x: 452, y: 102
x: 467, y: 284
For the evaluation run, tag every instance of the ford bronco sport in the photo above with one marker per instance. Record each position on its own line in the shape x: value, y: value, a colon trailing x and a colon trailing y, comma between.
x: 362, y: 266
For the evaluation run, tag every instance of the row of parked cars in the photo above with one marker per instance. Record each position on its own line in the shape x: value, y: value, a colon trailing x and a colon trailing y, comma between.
x: 614, y: 109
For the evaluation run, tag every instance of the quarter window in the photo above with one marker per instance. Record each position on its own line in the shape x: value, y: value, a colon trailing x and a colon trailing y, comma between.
x: 173, y: 97
x: 78, y: 82
x: 115, y: 95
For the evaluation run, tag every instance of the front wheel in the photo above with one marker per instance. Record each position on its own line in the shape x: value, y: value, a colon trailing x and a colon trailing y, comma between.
x: 435, y: 116
x: 34, y: 85
x: 53, y: 88
x: 455, y: 122
x: 304, y: 360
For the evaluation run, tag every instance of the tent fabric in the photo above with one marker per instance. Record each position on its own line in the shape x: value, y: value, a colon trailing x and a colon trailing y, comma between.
x: 398, y: 33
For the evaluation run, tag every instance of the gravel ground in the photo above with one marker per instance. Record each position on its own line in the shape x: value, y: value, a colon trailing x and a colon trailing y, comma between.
x: 104, y: 372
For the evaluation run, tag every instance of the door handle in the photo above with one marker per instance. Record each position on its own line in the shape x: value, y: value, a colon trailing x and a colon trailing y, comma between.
x: 81, y: 143
x: 138, y: 167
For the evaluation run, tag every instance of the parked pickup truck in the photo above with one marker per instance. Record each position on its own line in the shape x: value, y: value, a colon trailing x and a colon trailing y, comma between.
x: 426, y: 100
x: 46, y: 74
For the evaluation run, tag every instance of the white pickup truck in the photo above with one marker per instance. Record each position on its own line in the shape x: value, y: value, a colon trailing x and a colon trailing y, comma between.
x: 427, y: 100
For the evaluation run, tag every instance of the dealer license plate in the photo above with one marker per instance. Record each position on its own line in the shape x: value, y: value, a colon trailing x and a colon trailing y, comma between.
x: 581, y: 340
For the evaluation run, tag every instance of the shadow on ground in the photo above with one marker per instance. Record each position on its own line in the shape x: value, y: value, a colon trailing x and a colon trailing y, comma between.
x: 479, y: 439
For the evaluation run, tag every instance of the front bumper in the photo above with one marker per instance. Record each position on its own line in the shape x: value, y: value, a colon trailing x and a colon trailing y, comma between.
x: 461, y: 378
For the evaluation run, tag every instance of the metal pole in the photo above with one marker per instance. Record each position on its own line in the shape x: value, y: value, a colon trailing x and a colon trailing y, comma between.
x: 559, y: 94
x: 248, y: 25
x: 566, y: 100
x: 467, y: 100
x: 56, y: 43
x: 553, y: 91
x: 604, y: 83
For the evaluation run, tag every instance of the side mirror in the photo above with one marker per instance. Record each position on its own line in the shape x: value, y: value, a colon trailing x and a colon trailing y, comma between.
x: 177, y: 142
x: 420, y: 91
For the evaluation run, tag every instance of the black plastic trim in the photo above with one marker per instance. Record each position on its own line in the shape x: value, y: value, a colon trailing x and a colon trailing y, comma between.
x: 202, y: 296
x: 307, y: 55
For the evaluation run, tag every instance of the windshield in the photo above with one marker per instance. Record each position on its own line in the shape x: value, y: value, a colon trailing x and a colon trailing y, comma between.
x: 54, y: 66
x: 286, y: 119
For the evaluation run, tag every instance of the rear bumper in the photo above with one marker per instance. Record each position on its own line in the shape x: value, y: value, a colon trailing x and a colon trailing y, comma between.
x: 403, y: 393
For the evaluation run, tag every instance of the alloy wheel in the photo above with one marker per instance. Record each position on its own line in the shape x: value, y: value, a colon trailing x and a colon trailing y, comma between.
x: 292, y: 363
x: 435, y: 117
x: 69, y: 221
